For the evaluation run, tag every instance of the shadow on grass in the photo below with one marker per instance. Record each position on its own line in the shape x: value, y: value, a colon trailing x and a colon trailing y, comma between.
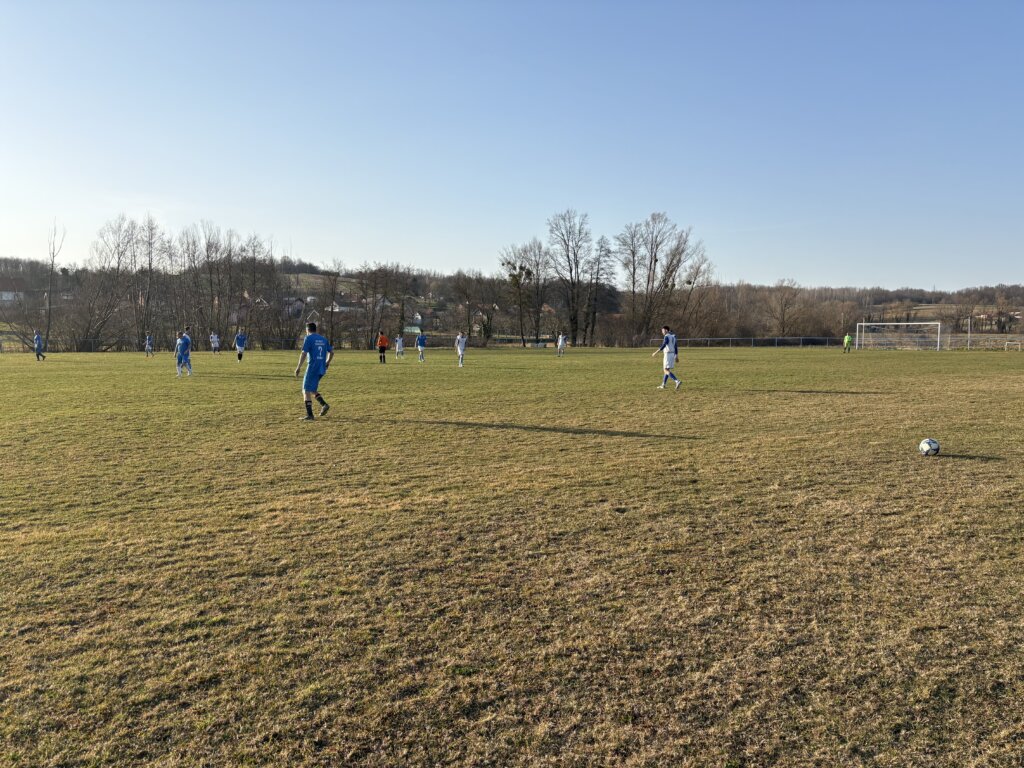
x: 969, y: 457
x: 818, y: 391
x: 536, y: 428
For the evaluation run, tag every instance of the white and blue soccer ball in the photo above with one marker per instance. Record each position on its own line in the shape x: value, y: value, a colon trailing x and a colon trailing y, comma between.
x: 928, y: 447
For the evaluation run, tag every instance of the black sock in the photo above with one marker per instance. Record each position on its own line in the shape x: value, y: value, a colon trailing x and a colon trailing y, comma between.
x: 309, y: 408
x: 239, y: 355
x: 320, y: 399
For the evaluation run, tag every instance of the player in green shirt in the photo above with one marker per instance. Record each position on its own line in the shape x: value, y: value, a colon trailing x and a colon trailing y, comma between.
x: 847, y: 341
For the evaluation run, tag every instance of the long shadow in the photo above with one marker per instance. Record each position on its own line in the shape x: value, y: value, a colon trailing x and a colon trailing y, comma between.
x: 817, y: 391
x: 969, y: 457
x: 536, y: 428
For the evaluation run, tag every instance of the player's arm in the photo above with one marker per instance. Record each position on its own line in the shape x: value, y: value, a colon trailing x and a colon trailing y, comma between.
x: 302, y: 357
x: 658, y: 349
x: 330, y: 356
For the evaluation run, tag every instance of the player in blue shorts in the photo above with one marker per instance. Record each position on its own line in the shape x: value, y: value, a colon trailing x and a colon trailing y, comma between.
x: 240, y: 339
x: 149, y: 344
x: 37, y: 344
x: 421, y: 346
x: 181, y: 353
x: 318, y: 353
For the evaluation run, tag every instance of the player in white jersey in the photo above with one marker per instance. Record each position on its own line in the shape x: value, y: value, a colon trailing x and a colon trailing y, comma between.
x: 460, y: 347
x: 399, y: 346
x: 560, y: 345
x: 215, y: 343
x: 670, y: 349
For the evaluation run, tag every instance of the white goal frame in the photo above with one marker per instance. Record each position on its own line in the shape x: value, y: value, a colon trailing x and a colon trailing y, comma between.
x: 862, y: 326
x: 1006, y: 345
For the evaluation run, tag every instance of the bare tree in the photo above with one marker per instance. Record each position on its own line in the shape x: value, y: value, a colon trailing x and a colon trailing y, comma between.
x: 466, y: 285
x: 598, y: 270
x: 655, y: 256
x: 782, y: 304
x: 518, y: 276
x: 55, y: 244
x: 99, y: 288
x: 570, y: 239
x: 537, y: 260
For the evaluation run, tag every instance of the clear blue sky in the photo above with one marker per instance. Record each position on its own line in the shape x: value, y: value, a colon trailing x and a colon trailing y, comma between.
x: 846, y: 143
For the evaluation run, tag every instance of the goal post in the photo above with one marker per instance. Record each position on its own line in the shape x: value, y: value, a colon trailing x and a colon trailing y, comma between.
x: 899, y: 335
x: 1008, y: 345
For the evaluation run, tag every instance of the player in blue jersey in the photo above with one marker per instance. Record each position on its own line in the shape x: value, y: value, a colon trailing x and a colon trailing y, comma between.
x: 37, y: 344
x: 149, y: 344
x: 670, y: 348
x: 240, y: 339
x: 182, y: 347
x: 421, y: 346
x: 318, y: 353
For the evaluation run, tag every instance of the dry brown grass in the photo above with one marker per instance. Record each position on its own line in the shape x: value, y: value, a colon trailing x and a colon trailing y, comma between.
x: 525, y: 562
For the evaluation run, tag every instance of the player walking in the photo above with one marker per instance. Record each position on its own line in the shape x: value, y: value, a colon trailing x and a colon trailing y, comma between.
x: 399, y: 346
x: 560, y: 346
x: 149, y: 344
x: 240, y: 339
x: 847, y: 342
x: 382, y: 346
x: 215, y: 343
x: 318, y: 353
x: 182, y: 358
x: 37, y: 345
x: 460, y: 347
x: 671, y: 351
x: 421, y: 346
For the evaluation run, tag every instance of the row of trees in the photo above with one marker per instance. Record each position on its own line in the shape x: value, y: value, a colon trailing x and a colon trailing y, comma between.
x: 608, y: 290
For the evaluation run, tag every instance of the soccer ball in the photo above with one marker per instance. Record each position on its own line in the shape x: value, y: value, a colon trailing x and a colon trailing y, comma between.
x: 928, y: 447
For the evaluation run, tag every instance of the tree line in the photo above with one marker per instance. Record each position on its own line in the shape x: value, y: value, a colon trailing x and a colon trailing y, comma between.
x: 612, y: 290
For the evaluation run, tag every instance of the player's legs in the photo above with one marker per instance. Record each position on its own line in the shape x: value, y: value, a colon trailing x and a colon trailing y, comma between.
x: 311, y: 390
x: 420, y: 351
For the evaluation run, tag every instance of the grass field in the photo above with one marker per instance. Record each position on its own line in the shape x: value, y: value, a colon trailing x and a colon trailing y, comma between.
x: 529, y: 561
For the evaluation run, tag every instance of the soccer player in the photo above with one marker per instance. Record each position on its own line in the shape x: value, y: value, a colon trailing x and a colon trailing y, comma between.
x: 421, y: 346
x: 560, y: 345
x: 149, y: 344
x: 181, y: 354
x: 399, y: 346
x: 671, y: 349
x: 847, y: 341
x: 460, y: 347
x: 37, y: 344
x: 240, y: 339
x: 318, y: 353
x: 382, y: 346
x: 215, y: 343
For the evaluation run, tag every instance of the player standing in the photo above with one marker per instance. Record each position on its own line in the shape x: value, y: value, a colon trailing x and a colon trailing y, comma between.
x: 671, y: 350
x: 560, y: 345
x: 382, y: 346
x: 847, y: 341
x: 215, y: 343
x: 399, y: 346
x: 240, y: 339
x: 149, y: 344
x: 181, y: 353
x: 37, y: 344
x: 460, y: 347
x: 318, y: 353
x: 421, y: 346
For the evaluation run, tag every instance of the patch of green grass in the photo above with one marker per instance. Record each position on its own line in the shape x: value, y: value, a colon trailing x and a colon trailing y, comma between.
x: 526, y: 561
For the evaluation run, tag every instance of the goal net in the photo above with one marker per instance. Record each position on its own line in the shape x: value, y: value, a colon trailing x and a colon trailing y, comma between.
x: 899, y: 336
